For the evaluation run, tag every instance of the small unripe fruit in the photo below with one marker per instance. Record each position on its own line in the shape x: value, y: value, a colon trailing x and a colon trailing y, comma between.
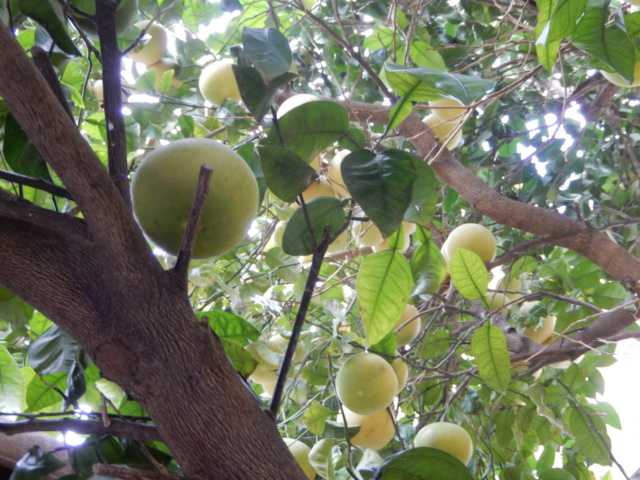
x: 217, y: 82
x: 366, y: 383
x: 448, y: 437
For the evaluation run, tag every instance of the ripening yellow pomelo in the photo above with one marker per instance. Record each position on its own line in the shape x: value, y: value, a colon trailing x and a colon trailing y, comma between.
x: 335, y: 174
x: 402, y: 372
x: 617, y: 79
x: 300, y: 352
x: 447, y: 131
x: 543, y: 332
x: 155, y: 48
x: 217, y: 82
x: 366, y: 383
x: 410, y: 331
x: 448, y: 437
x: 318, y: 188
x: 266, y: 372
x: 339, y: 244
x: 278, y: 234
x: 164, y: 186
x: 125, y: 16
x: 160, y: 67
x: 295, y: 101
x: 470, y: 236
x: 497, y: 300
x: 301, y: 453
x: 376, y: 430
x: 316, y: 163
x: 97, y: 88
x: 366, y: 233
x: 447, y: 109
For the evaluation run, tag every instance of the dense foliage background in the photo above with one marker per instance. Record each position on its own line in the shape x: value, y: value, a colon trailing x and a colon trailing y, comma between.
x: 542, y: 127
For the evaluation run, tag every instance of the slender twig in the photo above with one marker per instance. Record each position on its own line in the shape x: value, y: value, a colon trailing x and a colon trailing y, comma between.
x: 116, y: 428
x: 38, y: 183
x: 189, y: 239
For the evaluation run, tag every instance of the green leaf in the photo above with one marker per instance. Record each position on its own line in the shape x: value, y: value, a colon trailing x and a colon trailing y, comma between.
x: 53, y: 351
x: 383, y: 287
x: 382, y: 184
x: 21, y: 155
x: 435, y: 344
x: 321, y: 211
x: 13, y: 309
x: 321, y: 458
x: 608, y: 295
x: 268, y: 50
x: 425, y: 194
x: 555, y: 474
x: 423, y: 463
x: 353, y: 140
x: 230, y: 326
x: 428, y: 267
x: 489, y: 347
x: 241, y: 359
x: 256, y: 95
x: 469, y: 274
x: 310, y: 128
x: 563, y: 20
x: 49, y: 14
x: 608, y: 43
x: 286, y: 174
x: 590, y: 434
x: 40, y: 395
x: 36, y: 465
x: 387, y: 345
x: 12, y: 384
x: 315, y: 418
x: 423, y: 55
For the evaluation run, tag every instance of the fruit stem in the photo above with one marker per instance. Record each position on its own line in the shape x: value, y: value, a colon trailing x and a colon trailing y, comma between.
x: 181, y: 267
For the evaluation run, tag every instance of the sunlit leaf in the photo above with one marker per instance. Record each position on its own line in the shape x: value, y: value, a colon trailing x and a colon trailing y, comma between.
x: 489, y: 347
x: 590, y: 434
x: 12, y: 384
x: 321, y: 458
x: 315, y: 418
x: 469, y: 274
x: 230, y: 326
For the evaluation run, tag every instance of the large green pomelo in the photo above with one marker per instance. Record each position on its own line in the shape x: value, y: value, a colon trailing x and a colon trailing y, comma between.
x: 125, y: 16
x: 164, y: 186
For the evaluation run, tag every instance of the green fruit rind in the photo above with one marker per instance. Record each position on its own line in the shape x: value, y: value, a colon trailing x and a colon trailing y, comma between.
x: 163, y: 190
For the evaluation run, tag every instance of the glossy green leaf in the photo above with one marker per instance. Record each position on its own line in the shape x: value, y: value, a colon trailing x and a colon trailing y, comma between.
x: 48, y: 13
x: 310, y: 128
x: 555, y: 474
x: 36, y: 465
x: 257, y: 95
x: 286, y: 174
x: 608, y: 43
x: 13, y: 309
x: 315, y: 418
x: 53, y: 351
x: 40, y: 395
x: 425, y: 194
x: 469, y: 274
x: 428, y: 267
x: 321, y: 458
x: 383, y: 286
x: 387, y: 345
x: 12, y: 384
x: 489, y: 347
x: 435, y: 344
x: 321, y: 211
x: 353, y: 140
x: 230, y: 326
x: 241, y: 359
x: 21, y: 155
x: 424, y: 55
x: 268, y: 50
x: 563, y: 20
x: 590, y: 434
x: 423, y: 463
x: 382, y: 184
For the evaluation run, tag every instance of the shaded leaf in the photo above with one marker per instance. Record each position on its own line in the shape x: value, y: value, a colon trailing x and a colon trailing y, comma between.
x: 489, y: 347
x: 428, y: 267
x: 423, y: 463
x: 35, y: 465
x: 48, y: 13
x: 321, y: 211
x: 53, y: 351
x: 321, y: 458
x: 241, y: 359
x: 286, y: 174
x: 383, y: 287
x: 256, y: 94
x: 590, y: 434
x: 268, y: 50
x: 21, y: 155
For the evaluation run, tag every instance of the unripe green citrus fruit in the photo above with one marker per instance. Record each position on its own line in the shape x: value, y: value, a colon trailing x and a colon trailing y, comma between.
x: 366, y: 383
x: 470, y: 236
x: 448, y: 437
x: 155, y: 48
x: 164, y: 186
x: 217, y: 82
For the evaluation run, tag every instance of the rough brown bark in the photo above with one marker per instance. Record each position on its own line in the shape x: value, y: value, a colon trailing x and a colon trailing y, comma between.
x: 98, y: 280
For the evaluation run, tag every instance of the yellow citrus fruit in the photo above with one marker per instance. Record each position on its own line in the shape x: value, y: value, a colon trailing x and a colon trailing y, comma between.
x: 448, y: 437
x: 335, y: 173
x: 470, y: 236
x: 366, y: 383
x: 366, y: 233
x: 318, y: 188
x: 543, y: 332
x: 298, y: 354
x: 402, y: 372
x: 444, y: 130
x: 295, y: 101
x: 410, y: 331
x: 301, y: 453
x: 155, y: 48
x: 217, y: 82
x: 376, y: 430
x: 447, y: 109
x: 97, y: 88
x: 164, y: 186
x: 268, y: 354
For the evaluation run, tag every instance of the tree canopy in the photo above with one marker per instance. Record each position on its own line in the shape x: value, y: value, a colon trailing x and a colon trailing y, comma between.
x: 419, y: 117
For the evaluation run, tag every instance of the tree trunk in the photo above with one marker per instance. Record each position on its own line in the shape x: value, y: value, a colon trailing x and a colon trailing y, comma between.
x: 98, y: 280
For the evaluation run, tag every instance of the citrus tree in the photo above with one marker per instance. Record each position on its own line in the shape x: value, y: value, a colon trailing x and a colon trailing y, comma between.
x: 441, y: 258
